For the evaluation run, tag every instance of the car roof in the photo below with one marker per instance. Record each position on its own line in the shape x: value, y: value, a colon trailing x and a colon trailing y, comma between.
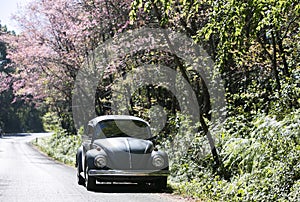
x: 98, y: 119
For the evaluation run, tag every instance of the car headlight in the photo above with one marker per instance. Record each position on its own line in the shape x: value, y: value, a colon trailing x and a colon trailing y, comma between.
x: 100, y: 161
x: 158, y: 161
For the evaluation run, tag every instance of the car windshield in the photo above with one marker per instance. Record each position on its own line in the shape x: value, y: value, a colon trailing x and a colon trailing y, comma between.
x: 123, y: 128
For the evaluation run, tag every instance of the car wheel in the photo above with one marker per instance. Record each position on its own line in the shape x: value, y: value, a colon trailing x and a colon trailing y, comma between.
x: 161, y: 184
x: 90, y: 182
x: 80, y: 179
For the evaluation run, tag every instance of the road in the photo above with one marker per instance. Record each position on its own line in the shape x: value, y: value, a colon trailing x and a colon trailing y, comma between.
x: 28, y: 175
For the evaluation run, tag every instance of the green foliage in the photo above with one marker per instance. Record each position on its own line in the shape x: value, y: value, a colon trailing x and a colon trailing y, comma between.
x: 288, y: 99
x: 18, y: 115
x: 60, y: 146
x: 257, y: 99
x: 182, y: 145
x: 263, y: 163
x: 51, y: 122
x: 295, y: 192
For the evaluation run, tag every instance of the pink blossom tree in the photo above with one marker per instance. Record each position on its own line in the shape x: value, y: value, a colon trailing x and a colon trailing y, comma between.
x: 56, y: 37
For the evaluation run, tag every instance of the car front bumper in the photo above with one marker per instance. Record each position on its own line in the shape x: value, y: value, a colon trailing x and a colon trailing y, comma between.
x: 128, y: 173
x: 128, y: 176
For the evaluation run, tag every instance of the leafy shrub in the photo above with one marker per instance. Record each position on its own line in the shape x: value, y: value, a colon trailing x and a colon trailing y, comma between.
x: 295, y: 191
x: 51, y: 122
x: 262, y: 162
x: 60, y: 146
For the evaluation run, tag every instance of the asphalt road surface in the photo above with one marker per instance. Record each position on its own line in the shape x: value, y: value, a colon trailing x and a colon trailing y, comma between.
x: 28, y: 175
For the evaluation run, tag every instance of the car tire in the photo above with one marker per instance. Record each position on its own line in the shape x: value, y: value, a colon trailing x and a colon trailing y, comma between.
x: 161, y: 184
x: 80, y: 179
x: 90, y: 183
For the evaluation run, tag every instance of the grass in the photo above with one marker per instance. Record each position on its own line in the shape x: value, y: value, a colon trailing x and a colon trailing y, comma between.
x: 60, y: 148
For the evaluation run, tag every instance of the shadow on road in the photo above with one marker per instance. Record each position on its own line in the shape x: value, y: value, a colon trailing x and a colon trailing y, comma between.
x: 9, y: 135
x: 128, y: 188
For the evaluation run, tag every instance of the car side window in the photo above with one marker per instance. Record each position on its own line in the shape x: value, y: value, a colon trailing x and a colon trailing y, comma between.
x: 98, y: 132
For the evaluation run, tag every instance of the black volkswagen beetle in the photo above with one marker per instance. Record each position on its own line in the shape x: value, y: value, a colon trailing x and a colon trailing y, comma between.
x: 119, y: 148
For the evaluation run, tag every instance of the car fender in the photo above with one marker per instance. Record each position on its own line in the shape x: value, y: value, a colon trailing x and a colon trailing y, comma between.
x: 163, y: 154
x: 90, y: 156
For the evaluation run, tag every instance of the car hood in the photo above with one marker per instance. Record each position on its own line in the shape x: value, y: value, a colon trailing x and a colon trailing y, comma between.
x: 125, y: 144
